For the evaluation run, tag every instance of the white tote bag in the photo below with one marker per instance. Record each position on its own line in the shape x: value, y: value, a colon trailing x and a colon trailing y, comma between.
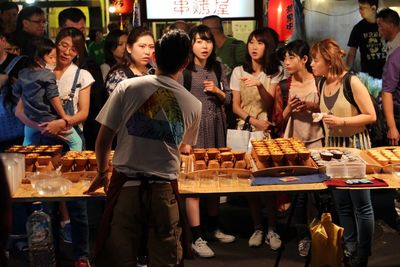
x: 239, y: 140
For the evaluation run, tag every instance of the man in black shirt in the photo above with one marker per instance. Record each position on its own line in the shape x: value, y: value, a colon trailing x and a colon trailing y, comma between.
x: 365, y: 36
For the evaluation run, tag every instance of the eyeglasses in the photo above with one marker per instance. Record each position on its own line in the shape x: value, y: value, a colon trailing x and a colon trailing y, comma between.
x: 12, y: 50
x: 65, y: 47
x: 38, y: 21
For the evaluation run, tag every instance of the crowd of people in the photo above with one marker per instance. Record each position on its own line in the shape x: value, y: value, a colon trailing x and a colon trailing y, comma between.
x: 205, y: 82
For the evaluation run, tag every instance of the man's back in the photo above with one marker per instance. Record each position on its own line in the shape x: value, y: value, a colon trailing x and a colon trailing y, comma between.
x: 153, y: 116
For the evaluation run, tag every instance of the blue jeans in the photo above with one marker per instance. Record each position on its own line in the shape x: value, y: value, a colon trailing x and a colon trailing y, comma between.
x: 300, y: 216
x: 357, y: 217
x: 77, y: 211
x: 74, y: 142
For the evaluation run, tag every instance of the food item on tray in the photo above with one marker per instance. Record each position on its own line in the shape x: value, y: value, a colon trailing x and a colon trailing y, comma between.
x: 385, y: 156
x: 290, y: 154
x: 337, y: 154
x: 200, y: 165
x: 227, y: 164
x: 31, y: 158
x: 325, y: 155
x: 304, y: 154
x: 276, y: 156
x: 199, y: 155
x: 80, y: 164
x: 291, y: 149
x: 213, y: 164
x: 226, y: 156
x: 240, y: 164
x: 217, y: 158
x: 212, y: 153
x: 42, y: 149
x: 239, y: 155
x: 225, y: 149
x: 43, y: 160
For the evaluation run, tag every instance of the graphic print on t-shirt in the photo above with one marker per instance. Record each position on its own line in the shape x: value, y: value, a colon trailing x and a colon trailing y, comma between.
x: 373, y: 46
x: 159, y: 118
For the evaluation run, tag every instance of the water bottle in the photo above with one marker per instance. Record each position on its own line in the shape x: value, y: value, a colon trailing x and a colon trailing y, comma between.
x: 40, y: 238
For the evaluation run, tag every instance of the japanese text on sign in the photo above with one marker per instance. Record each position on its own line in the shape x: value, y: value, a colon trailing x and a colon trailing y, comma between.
x: 178, y: 9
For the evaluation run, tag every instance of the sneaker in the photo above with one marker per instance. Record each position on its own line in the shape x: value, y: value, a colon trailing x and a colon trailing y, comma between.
x: 256, y: 238
x: 304, y: 247
x: 201, y: 249
x: 273, y: 240
x: 141, y: 261
x: 82, y: 262
x: 66, y: 233
x: 222, y: 237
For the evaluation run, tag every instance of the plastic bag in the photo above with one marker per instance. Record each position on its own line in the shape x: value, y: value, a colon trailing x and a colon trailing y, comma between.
x: 326, y: 238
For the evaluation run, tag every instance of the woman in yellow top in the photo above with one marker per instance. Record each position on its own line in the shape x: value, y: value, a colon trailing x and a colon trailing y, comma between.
x: 346, y: 127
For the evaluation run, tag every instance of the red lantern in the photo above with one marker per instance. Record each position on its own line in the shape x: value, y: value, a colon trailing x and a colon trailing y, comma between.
x: 123, y: 6
x: 281, y: 17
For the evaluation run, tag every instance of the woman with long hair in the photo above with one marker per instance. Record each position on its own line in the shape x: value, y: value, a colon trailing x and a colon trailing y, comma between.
x: 136, y: 60
x: 74, y: 87
x: 253, y: 87
x: 345, y: 126
x: 209, y: 84
x: 114, y: 49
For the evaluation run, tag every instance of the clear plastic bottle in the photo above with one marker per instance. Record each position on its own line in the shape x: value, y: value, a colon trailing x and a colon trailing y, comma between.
x: 40, y: 238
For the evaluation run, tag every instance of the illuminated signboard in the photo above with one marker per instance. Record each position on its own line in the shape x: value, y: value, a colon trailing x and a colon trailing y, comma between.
x: 197, y: 9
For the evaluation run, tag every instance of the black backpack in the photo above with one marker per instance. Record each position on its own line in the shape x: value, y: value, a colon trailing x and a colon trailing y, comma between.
x: 377, y: 130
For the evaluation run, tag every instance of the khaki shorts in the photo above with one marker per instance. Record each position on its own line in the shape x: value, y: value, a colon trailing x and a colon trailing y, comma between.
x: 122, y: 245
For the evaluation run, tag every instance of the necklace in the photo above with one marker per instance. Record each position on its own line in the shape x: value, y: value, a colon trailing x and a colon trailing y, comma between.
x: 332, y: 88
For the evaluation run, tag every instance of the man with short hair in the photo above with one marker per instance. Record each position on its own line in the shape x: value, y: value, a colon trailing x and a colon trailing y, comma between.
x: 153, y: 116
x: 8, y: 16
x: 365, y: 36
x: 389, y: 27
x: 231, y: 52
x: 72, y: 17
x: 31, y: 25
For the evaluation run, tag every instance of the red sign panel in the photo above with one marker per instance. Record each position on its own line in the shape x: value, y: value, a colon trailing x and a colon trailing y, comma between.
x: 281, y: 17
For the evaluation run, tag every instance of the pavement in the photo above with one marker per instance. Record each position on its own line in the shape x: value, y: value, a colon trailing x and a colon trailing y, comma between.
x: 385, y: 250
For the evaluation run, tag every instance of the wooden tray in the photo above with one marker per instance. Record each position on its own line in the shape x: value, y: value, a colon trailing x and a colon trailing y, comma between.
x: 283, y: 168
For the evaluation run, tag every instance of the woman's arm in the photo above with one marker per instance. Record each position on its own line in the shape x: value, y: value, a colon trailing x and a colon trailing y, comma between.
x: 364, y: 102
x: 259, y: 124
x: 55, y: 126
x: 209, y: 86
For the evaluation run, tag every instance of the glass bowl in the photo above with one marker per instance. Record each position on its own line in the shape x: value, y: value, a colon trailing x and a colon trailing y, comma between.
x: 48, y: 185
